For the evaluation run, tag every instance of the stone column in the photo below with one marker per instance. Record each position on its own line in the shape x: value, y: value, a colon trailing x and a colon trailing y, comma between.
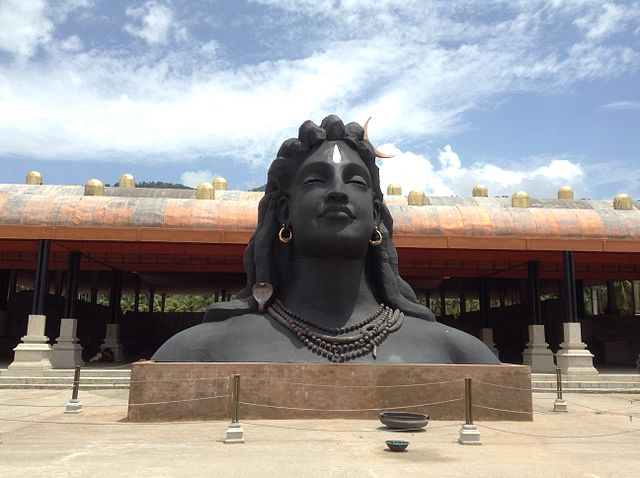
x: 67, y: 352
x: 594, y: 300
x: 33, y: 353
x: 573, y: 356
x: 112, y: 341
x: 4, y: 295
x: 112, y: 333
x: 484, y: 297
x: 536, y: 353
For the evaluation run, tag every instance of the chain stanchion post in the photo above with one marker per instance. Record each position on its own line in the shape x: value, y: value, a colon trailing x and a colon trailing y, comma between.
x: 469, y: 434
x: 560, y: 405
x: 74, y: 405
x: 235, y: 431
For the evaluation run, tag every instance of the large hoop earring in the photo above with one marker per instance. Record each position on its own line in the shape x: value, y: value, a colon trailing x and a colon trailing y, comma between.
x: 281, y: 234
x: 378, y: 240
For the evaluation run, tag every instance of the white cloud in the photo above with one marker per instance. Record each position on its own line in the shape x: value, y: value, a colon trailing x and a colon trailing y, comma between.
x: 610, y: 19
x: 623, y: 105
x: 416, y: 172
x: 24, y: 26
x: 194, y: 178
x: 153, y: 23
x: 419, y: 77
x: 72, y: 44
x: 210, y: 47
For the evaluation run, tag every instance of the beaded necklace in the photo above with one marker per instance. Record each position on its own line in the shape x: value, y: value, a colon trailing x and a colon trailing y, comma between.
x: 333, y: 343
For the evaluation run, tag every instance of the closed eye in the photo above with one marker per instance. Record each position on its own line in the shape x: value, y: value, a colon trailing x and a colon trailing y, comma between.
x: 358, y: 181
x: 314, y: 180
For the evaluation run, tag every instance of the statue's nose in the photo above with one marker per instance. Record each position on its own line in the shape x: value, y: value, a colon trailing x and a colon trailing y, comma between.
x: 337, y: 196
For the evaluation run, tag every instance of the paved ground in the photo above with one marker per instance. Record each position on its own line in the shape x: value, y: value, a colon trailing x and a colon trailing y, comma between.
x: 597, y: 438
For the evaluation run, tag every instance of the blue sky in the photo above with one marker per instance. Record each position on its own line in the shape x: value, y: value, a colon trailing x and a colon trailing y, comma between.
x: 514, y: 94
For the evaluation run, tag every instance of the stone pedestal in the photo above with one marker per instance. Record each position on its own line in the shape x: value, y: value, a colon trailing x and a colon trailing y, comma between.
x: 537, y: 354
x: 112, y: 341
x: 573, y: 356
x: 74, y: 406
x: 33, y: 353
x: 560, y: 405
x: 487, y: 339
x: 167, y: 391
x: 235, y: 433
x: 469, y: 435
x: 67, y: 352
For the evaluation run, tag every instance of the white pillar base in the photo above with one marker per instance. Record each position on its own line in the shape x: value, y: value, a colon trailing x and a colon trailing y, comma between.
x: 469, y: 435
x: 112, y: 341
x: 74, y: 406
x: 573, y: 356
x: 537, y: 354
x: 33, y: 353
x: 560, y: 406
x: 235, y: 433
x: 487, y: 339
x: 67, y: 352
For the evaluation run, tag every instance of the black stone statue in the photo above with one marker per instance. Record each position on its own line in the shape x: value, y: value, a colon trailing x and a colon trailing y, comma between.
x: 322, y: 271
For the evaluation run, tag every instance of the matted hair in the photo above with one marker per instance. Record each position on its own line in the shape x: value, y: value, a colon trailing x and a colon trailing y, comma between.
x: 267, y: 260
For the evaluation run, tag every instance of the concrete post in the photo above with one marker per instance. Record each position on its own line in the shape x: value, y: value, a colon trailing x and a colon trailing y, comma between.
x: 573, y: 356
x: 67, y: 352
x: 537, y: 354
x: 33, y: 353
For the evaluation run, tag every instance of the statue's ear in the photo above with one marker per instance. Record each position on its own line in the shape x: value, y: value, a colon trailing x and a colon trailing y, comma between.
x: 377, y: 207
x: 283, y: 210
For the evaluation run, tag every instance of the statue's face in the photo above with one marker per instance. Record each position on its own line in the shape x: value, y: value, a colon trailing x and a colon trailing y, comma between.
x: 332, y: 210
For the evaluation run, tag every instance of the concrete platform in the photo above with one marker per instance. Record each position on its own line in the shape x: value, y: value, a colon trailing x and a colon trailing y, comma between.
x: 192, y: 391
x: 594, y: 439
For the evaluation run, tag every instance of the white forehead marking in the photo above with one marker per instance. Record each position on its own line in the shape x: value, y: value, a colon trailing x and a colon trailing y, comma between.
x: 337, y: 157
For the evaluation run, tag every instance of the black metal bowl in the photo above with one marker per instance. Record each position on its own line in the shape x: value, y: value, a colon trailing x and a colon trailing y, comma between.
x: 397, y: 445
x: 404, y: 420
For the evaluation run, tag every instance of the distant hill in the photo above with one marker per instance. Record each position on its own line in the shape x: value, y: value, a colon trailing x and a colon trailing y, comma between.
x: 157, y: 185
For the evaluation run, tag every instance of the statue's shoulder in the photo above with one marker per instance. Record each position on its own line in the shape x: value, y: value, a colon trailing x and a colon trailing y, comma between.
x: 213, y: 339
x: 220, y: 311
x: 458, y: 346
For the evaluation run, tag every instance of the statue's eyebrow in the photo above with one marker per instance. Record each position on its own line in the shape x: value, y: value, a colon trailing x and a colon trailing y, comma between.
x: 315, y: 167
x: 352, y: 169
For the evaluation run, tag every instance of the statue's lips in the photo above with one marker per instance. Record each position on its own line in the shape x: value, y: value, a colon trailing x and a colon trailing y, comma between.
x: 337, y: 211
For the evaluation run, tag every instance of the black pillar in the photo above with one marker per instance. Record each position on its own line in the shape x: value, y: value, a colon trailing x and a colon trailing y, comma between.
x: 533, y: 282
x: 443, y: 303
x: 152, y: 293
x: 569, y: 287
x: 13, y: 283
x: 5, y: 278
x: 136, y: 298
x: 40, y: 286
x: 114, y: 297
x: 94, y: 288
x: 580, y: 298
x: 72, y: 285
x: 612, y: 307
x: 484, y: 297
x: 163, y: 299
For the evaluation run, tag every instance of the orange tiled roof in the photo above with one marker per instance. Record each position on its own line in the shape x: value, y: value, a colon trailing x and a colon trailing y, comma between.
x: 25, y: 209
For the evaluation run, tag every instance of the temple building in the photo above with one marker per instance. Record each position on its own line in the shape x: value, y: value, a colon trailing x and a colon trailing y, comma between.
x: 540, y: 281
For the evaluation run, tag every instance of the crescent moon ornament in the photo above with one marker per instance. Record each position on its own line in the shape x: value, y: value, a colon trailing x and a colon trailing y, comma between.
x: 375, y: 151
